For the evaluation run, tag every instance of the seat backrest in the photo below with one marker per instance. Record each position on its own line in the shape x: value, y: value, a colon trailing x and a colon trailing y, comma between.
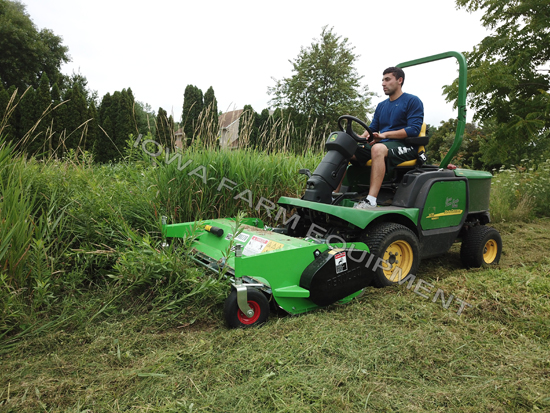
x: 419, y: 140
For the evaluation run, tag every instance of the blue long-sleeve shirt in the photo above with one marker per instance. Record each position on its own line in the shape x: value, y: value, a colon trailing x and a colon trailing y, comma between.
x: 405, y: 112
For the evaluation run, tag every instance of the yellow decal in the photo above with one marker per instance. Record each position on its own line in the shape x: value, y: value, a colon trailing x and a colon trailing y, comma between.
x: 447, y: 213
x: 272, y: 246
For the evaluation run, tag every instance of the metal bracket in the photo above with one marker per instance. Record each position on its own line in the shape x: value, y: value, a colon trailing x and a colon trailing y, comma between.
x: 242, y: 298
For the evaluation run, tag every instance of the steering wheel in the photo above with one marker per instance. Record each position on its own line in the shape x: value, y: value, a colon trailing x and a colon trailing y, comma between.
x: 350, y: 119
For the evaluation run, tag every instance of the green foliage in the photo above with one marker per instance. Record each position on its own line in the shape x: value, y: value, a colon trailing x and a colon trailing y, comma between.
x: 25, y: 52
x: 211, y: 105
x: 521, y: 192
x: 193, y: 105
x: 42, y: 143
x: 164, y: 129
x: 325, y: 83
x: 116, y: 118
x: 470, y: 153
x: 505, y: 85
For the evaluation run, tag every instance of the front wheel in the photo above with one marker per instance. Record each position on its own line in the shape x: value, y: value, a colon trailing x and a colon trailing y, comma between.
x: 481, y: 247
x: 395, y: 252
x: 237, y: 319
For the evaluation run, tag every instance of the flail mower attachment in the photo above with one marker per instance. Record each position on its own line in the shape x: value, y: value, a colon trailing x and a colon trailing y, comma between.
x: 297, y: 275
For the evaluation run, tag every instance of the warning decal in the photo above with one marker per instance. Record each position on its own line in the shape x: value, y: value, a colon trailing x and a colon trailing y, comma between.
x: 258, y: 245
x: 340, y: 261
x: 241, y: 237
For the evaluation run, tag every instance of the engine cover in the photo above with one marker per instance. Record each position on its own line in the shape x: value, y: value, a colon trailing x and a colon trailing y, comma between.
x: 336, y: 274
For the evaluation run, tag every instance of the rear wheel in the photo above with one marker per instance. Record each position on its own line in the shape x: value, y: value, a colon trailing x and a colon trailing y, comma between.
x: 237, y: 319
x: 397, y: 246
x: 481, y: 247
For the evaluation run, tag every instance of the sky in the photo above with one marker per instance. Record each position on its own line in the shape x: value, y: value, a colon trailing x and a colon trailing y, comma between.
x: 239, y: 47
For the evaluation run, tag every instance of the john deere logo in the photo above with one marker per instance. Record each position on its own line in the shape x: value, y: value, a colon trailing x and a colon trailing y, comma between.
x: 332, y: 137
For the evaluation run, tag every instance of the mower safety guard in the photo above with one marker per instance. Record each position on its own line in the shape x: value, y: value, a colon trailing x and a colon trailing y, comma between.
x: 461, y: 101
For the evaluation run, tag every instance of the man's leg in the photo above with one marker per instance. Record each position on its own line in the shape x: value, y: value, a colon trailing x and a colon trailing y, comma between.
x: 378, y: 169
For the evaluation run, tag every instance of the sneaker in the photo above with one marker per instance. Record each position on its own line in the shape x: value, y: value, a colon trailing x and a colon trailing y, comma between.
x: 364, y: 205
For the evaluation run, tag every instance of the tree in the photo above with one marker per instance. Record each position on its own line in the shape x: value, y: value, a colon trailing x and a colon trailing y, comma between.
x: 325, y: 83
x: 443, y: 137
x: 116, y: 117
x: 4, y: 100
x: 26, y: 52
x: 75, y: 115
x: 248, y: 127
x: 28, y: 115
x: 506, y: 87
x: 211, y: 107
x: 43, y: 105
x: 193, y: 105
x: 163, y: 130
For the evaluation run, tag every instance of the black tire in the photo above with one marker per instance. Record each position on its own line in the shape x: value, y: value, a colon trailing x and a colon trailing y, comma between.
x: 396, y: 244
x: 237, y: 319
x: 481, y: 247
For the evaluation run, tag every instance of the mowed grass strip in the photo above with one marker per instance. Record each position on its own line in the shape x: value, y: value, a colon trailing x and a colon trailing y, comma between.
x: 390, y: 350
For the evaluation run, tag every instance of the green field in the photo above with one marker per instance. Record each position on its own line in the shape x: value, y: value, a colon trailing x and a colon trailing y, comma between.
x: 96, y: 317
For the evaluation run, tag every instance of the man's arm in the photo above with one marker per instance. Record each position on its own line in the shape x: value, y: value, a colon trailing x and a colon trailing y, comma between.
x: 415, y: 117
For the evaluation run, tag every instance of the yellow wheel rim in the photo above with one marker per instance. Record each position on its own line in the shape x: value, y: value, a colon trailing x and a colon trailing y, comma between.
x: 398, y: 260
x: 490, y: 251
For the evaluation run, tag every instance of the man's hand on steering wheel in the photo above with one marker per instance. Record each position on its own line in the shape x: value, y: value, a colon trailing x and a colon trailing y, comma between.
x: 368, y: 136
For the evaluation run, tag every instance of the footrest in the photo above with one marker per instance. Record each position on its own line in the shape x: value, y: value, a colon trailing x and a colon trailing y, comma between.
x: 294, y: 291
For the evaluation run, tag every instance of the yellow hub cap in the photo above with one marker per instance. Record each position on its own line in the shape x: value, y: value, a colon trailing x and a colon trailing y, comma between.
x: 399, y: 259
x: 490, y: 251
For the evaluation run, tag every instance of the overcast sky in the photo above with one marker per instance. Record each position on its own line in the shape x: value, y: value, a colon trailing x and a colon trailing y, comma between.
x: 159, y: 47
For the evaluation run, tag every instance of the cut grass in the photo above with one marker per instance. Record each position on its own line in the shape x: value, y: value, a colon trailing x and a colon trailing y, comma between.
x: 390, y: 350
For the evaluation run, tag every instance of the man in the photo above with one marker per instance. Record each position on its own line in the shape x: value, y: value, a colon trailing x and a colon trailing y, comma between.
x: 396, y: 118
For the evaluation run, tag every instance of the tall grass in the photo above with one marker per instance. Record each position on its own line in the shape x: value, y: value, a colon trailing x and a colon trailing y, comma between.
x: 521, y: 193
x: 69, y: 226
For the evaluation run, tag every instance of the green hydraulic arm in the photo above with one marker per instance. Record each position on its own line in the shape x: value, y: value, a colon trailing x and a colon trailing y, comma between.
x: 462, y: 78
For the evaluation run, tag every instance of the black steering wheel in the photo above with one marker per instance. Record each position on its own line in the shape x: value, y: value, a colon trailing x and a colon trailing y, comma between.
x: 350, y: 119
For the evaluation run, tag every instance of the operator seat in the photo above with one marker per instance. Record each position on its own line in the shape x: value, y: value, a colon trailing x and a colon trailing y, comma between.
x: 421, y: 140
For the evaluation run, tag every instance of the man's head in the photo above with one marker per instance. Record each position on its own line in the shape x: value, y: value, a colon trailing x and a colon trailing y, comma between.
x: 392, y: 80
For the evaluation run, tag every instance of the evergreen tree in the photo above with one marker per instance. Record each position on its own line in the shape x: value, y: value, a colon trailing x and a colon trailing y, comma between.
x: 163, y: 132
x: 28, y: 115
x: 104, y: 148
x: 4, y: 100
x: 76, y: 114
x: 211, y: 107
x: 93, y: 128
x: 264, y: 125
x: 192, y: 108
x: 11, y: 124
x: 42, y: 143
x: 57, y: 118
x: 248, y: 130
x: 126, y: 122
x: 116, y: 117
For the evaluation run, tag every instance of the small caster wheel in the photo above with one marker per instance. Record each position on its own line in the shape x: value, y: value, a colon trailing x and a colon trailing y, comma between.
x: 237, y: 319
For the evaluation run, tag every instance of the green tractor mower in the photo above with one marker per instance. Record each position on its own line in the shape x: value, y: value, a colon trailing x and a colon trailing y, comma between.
x: 328, y: 251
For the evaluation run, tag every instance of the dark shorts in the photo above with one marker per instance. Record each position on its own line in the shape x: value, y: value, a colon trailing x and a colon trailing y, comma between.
x: 398, y: 152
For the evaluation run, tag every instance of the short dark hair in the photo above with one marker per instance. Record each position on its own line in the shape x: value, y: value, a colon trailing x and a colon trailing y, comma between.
x: 397, y: 72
